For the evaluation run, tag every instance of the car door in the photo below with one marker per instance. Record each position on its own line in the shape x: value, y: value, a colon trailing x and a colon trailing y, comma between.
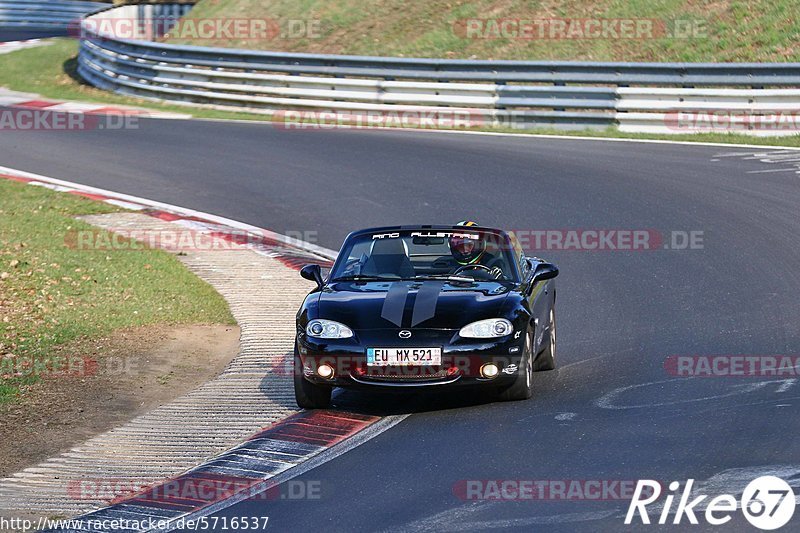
x: 539, y: 295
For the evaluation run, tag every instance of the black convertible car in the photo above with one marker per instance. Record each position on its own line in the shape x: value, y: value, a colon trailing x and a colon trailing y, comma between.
x: 426, y: 306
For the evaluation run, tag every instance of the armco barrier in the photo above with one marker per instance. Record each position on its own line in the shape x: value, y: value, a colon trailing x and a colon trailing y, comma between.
x: 44, y: 15
x: 513, y: 93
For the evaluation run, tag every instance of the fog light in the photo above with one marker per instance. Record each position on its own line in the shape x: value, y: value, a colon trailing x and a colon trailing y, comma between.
x: 489, y: 370
x: 326, y: 371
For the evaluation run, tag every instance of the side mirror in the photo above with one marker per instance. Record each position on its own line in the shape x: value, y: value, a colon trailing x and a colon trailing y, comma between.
x: 544, y: 271
x: 312, y: 273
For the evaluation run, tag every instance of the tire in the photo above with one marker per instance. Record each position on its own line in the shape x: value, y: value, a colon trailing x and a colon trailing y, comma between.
x: 309, y: 395
x: 547, y: 359
x: 522, y: 388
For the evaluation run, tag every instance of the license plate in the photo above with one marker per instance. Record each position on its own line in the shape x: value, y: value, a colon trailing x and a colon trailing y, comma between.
x: 403, y: 356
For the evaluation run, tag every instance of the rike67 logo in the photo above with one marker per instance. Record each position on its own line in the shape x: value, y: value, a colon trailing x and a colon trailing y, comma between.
x: 767, y: 502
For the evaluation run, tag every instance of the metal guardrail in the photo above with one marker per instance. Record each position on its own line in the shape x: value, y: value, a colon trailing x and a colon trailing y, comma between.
x: 37, y: 14
x: 515, y: 93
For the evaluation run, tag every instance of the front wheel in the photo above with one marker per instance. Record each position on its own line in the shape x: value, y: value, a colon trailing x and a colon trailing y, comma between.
x: 547, y: 359
x: 522, y: 388
x: 309, y: 395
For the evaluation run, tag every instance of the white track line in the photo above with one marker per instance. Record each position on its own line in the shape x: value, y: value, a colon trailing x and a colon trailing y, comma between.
x: 526, y: 135
x: 307, y: 246
x: 772, y: 170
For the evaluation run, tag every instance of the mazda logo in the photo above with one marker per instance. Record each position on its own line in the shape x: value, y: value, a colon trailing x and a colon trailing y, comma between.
x: 405, y: 334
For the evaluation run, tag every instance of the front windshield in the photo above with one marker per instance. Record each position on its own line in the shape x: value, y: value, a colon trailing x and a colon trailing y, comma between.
x: 418, y: 254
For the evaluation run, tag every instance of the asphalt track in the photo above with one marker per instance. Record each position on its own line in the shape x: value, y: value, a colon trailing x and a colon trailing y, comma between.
x: 611, y: 412
x: 22, y: 34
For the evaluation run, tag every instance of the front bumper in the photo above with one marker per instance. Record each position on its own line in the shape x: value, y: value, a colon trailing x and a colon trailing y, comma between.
x: 462, y: 360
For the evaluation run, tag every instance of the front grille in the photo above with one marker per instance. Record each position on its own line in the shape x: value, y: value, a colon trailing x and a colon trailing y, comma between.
x: 401, y: 375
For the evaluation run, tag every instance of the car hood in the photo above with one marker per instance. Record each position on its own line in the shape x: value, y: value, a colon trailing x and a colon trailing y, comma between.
x: 407, y: 304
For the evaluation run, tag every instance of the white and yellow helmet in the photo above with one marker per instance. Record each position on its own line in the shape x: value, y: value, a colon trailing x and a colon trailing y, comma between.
x: 466, y: 251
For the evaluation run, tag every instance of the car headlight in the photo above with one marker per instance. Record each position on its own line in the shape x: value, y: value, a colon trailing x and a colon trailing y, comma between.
x: 486, y: 329
x: 327, y: 329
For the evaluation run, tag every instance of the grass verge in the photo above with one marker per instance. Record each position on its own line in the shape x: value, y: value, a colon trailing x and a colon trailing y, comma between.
x: 50, y: 72
x: 669, y: 30
x: 52, y: 294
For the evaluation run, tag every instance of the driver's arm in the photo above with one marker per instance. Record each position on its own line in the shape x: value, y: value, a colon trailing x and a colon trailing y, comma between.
x: 495, y: 265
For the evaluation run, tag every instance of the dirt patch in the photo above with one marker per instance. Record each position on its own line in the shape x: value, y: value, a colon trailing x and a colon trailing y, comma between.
x: 118, y: 378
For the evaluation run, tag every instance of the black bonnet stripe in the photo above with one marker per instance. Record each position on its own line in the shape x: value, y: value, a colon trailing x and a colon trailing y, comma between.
x: 395, y: 303
x: 425, y: 304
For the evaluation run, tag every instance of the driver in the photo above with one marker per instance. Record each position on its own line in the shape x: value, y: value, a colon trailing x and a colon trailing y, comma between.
x: 468, y: 251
